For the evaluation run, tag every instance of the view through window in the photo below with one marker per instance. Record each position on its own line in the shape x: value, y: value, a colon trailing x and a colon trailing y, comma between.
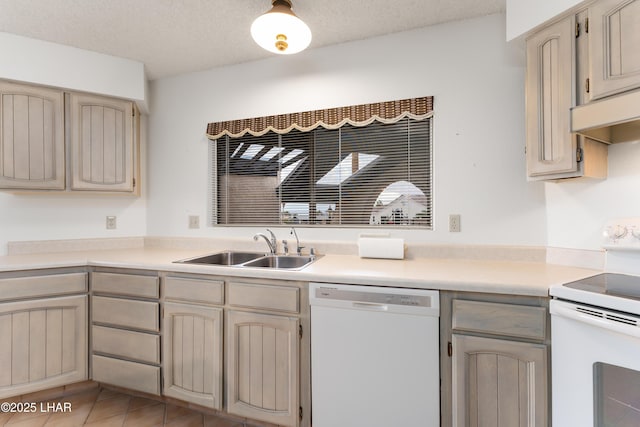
x: 375, y: 175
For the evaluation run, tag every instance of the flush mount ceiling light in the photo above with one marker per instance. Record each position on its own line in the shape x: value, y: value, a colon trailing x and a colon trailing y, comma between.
x: 280, y: 30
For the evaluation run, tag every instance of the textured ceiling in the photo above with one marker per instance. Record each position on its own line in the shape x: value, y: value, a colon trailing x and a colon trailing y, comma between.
x: 177, y: 36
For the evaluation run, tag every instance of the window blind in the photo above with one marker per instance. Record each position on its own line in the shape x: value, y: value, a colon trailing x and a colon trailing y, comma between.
x: 356, y: 176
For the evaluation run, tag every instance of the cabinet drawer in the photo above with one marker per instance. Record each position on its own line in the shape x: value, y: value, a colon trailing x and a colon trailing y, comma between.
x: 267, y: 297
x: 195, y: 290
x: 127, y: 313
x: 125, y: 284
x: 122, y: 373
x: 37, y: 286
x: 128, y: 344
x: 500, y: 319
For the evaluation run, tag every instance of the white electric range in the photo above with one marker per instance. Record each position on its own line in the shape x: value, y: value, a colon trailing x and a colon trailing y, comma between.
x: 595, y: 334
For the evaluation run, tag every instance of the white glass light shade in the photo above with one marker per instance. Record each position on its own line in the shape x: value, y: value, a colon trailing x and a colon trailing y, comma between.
x: 281, y: 31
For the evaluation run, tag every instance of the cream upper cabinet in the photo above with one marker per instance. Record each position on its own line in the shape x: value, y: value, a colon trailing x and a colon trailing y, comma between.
x: 102, y: 143
x: 31, y: 137
x: 550, y: 146
x: 552, y: 151
x: 614, y: 40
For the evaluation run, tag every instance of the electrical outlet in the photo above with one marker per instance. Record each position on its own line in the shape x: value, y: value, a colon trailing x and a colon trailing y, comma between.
x: 111, y: 222
x: 454, y: 223
x: 194, y: 221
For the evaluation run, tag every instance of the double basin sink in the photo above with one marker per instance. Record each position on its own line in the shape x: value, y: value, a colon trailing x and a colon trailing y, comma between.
x: 253, y: 259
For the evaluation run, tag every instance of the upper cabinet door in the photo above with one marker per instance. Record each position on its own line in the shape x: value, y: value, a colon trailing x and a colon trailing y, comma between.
x: 102, y: 144
x: 551, y: 149
x: 31, y: 137
x: 614, y: 33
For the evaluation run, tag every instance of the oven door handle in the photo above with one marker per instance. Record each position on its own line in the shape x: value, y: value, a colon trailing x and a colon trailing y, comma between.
x: 600, y: 318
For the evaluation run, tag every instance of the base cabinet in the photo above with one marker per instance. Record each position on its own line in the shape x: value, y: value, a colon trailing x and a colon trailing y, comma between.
x: 43, y: 344
x: 494, y: 360
x: 125, y: 320
x: 498, y: 382
x: 262, y: 367
x: 192, y: 352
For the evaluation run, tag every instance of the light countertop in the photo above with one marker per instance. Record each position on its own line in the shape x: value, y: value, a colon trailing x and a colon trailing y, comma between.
x: 506, y: 277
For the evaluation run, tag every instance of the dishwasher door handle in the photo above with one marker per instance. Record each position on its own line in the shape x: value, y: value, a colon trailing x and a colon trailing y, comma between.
x: 370, y: 306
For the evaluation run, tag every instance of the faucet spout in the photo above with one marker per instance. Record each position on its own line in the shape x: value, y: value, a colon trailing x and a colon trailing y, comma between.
x: 271, y: 242
x: 298, y: 247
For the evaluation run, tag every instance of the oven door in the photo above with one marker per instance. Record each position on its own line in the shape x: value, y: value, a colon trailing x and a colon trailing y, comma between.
x: 595, y: 355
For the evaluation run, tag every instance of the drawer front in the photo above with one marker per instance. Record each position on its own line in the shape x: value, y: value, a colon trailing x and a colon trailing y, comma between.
x: 122, y: 373
x: 37, y: 286
x: 195, y: 290
x: 126, y: 284
x: 143, y: 315
x: 500, y: 319
x: 267, y: 297
x: 127, y: 344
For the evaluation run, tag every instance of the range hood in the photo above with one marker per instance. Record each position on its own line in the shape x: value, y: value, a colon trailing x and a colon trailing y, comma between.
x: 611, y: 120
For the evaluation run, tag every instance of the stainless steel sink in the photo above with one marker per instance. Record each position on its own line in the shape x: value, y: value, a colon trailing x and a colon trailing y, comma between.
x: 224, y: 258
x: 252, y: 259
x: 281, y: 261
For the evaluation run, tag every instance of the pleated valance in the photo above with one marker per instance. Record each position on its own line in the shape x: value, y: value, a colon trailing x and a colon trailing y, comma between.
x: 330, y: 118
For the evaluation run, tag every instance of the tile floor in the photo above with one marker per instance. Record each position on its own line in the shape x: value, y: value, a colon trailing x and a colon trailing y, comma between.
x: 108, y: 408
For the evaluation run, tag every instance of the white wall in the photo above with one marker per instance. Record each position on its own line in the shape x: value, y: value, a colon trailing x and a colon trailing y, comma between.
x: 478, y: 83
x: 50, y: 64
x: 525, y: 15
x: 577, y: 210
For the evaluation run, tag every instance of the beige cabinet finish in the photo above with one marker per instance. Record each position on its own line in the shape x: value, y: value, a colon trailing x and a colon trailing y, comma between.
x: 262, y: 367
x: 125, y: 341
x: 43, y: 344
x: 192, y: 354
x: 102, y: 143
x: 47, y: 285
x: 498, y: 383
x: 32, y: 142
x: 127, y: 374
x: 552, y: 151
x: 126, y: 313
x: 494, y: 360
x: 614, y: 40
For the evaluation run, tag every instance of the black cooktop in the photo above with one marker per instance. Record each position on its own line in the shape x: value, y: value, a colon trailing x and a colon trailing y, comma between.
x: 620, y: 285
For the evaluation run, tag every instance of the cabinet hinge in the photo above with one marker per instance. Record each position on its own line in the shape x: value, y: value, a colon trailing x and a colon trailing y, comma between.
x: 300, y: 330
x: 449, y: 349
x: 579, y: 155
x: 586, y: 25
x: 133, y: 111
x: 134, y: 183
x: 300, y: 412
x: 577, y: 29
x: 586, y: 85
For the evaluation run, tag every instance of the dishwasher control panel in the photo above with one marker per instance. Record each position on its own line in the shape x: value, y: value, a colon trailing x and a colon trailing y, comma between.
x: 368, y: 296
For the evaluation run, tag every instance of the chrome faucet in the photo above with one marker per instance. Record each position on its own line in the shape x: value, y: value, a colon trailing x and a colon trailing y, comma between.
x: 273, y: 244
x: 298, y: 247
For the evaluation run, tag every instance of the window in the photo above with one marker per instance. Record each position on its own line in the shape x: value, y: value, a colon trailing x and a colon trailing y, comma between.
x: 377, y: 175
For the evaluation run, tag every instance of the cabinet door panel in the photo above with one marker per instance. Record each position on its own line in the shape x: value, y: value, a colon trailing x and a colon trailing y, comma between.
x: 43, y: 344
x: 192, y: 354
x: 262, y: 369
x: 102, y: 143
x: 614, y: 46
x: 551, y: 149
x: 499, y: 383
x: 31, y: 137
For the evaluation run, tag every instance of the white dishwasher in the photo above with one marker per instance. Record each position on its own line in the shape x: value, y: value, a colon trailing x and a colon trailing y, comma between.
x: 374, y: 356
